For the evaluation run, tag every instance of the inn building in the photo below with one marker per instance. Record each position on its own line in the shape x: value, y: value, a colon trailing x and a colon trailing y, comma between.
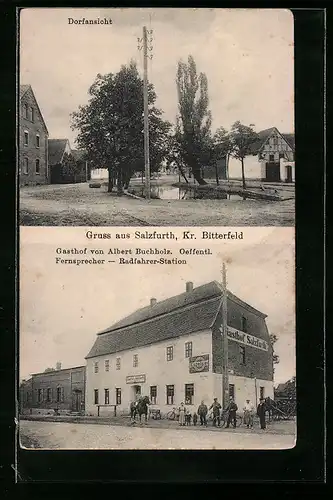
x: 172, y: 351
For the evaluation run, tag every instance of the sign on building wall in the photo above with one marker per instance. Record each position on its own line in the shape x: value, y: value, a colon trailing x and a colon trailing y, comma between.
x: 199, y: 364
x: 246, y: 339
x: 135, y: 379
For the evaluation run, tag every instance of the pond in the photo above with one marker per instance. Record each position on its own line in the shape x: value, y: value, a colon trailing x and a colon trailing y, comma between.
x: 169, y: 192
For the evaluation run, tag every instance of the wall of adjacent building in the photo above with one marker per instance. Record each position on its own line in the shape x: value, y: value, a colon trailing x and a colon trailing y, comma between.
x: 252, y: 168
x: 31, y: 151
x: 245, y: 388
x: 152, y: 362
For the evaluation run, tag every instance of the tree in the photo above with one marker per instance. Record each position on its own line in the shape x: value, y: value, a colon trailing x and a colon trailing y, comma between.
x: 70, y: 167
x: 242, y: 138
x: 222, y: 148
x: 193, y: 128
x: 111, y: 125
x: 273, y: 339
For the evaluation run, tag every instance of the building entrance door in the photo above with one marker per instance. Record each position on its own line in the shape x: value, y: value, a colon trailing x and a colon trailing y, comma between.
x: 136, y: 391
x: 289, y: 177
x: 273, y: 172
x: 76, y: 400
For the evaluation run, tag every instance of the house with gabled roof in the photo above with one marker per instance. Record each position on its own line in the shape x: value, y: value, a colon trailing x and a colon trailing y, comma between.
x: 59, y: 151
x: 271, y: 158
x: 33, y: 140
x: 172, y: 351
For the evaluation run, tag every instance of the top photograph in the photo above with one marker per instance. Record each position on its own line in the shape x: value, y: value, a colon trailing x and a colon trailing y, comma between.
x: 155, y: 117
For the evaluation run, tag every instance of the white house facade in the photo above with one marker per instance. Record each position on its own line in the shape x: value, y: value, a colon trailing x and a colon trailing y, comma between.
x: 171, y: 351
x: 271, y: 159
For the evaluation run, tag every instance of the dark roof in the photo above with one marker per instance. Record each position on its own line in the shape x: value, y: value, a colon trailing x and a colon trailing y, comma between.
x: 290, y: 138
x: 263, y: 135
x: 180, y: 315
x: 56, y: 150
x: 51, y: 372
x: 24, y: 89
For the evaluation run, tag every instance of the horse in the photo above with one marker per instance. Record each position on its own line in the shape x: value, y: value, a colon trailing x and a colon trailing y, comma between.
x: 140, y: 408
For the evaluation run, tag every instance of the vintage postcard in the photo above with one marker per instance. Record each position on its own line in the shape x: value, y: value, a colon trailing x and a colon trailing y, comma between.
x: 164, y: 117
x: 157, y: 339
x: 164, y: 316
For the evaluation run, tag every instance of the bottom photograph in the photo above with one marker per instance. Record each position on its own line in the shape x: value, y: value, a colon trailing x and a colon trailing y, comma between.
x: 193, y: 355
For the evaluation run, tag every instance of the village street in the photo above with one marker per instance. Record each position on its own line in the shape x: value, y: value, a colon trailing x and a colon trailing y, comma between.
x: 79, y: 205
x: 60, y: 435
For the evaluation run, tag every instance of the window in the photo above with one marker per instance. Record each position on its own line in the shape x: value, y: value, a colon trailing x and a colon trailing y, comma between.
x: 232, y: 391
x: 153, y: 394
x: 135, y: 360
x: 170, y: 394
x: 106, y: 397
x: 60, y: 394
x: 25, y: 111
x: 262, y: 392
x: 242, y: 355
x: 37, y: 141
x: 26, y: 138
x: 118, y: 396
x: 107, y: 365
x: 48, y: 395
x: 31, y: 114
x: 40, y: 395
x: 96, y: 367
x: 244, y: 324
x: 189, y: 394
x: 117, y: 363
x: 96, y: 396
x: 271, y: 157
x: 37, y: 166
x: 25, y: 165
x: 188, y: 349
x: 169, y: 353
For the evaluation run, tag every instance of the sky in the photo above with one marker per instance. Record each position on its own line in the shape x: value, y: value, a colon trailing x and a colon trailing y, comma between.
x: 62, y: 308
x: 247, y: 55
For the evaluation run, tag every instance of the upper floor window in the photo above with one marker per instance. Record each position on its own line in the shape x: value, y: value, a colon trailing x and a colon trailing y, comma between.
x: 96, y: 367
x: 244, y: 324
x: 37, y: 166
x: 169, y: 353
x: 188, y: 349
x: 37, y: 141
x: 271, y: 157
x: 135, y: 360
x: 26, y: 111
x: 26, y: 138
x: 31, y: 114
x: 107, y: 365
x: 242, y: 358
x: 117, y: 363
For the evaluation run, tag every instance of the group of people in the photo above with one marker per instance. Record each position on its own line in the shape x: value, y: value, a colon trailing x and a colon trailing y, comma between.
x: 186, y: 417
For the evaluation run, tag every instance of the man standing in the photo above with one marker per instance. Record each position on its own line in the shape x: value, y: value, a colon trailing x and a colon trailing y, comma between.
x: 202, y: 412
x: 248, y: 414
x: 216, y: 412
x: 261, y: 412
x: 182, y: 413
x: 231, y: 409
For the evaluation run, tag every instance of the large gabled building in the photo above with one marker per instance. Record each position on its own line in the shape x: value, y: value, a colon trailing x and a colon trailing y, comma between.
x: 270, y: 159
x: 33, y: 141
x: 172, y: 351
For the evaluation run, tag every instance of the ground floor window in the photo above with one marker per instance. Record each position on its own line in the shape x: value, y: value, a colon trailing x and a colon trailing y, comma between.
x: 25, y: 165
x: 170, y: 394
x: 232, y: 391
x: 153, y: 394
x: 40, y: 395
x: 262, y: 392
x: 118, y: 396
x: 189, y: 394
x: 106, y: 396
x: 60, y: 394
x: 37, y: 165
x: 96, y: 396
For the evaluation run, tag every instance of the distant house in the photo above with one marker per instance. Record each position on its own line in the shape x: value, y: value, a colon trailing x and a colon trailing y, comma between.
x: 83, y: 171
x: 33, y: 141
x: 59, y: 152
x: 271, y: 158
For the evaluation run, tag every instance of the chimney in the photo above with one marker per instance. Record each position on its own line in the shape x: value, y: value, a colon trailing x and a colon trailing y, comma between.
x: 152, y: 302
x: 189, y: 287
x: 58, y: 365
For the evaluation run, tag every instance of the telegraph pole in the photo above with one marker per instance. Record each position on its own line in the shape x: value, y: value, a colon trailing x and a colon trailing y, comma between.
x: 146, y: 45
x: 225, y: 365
